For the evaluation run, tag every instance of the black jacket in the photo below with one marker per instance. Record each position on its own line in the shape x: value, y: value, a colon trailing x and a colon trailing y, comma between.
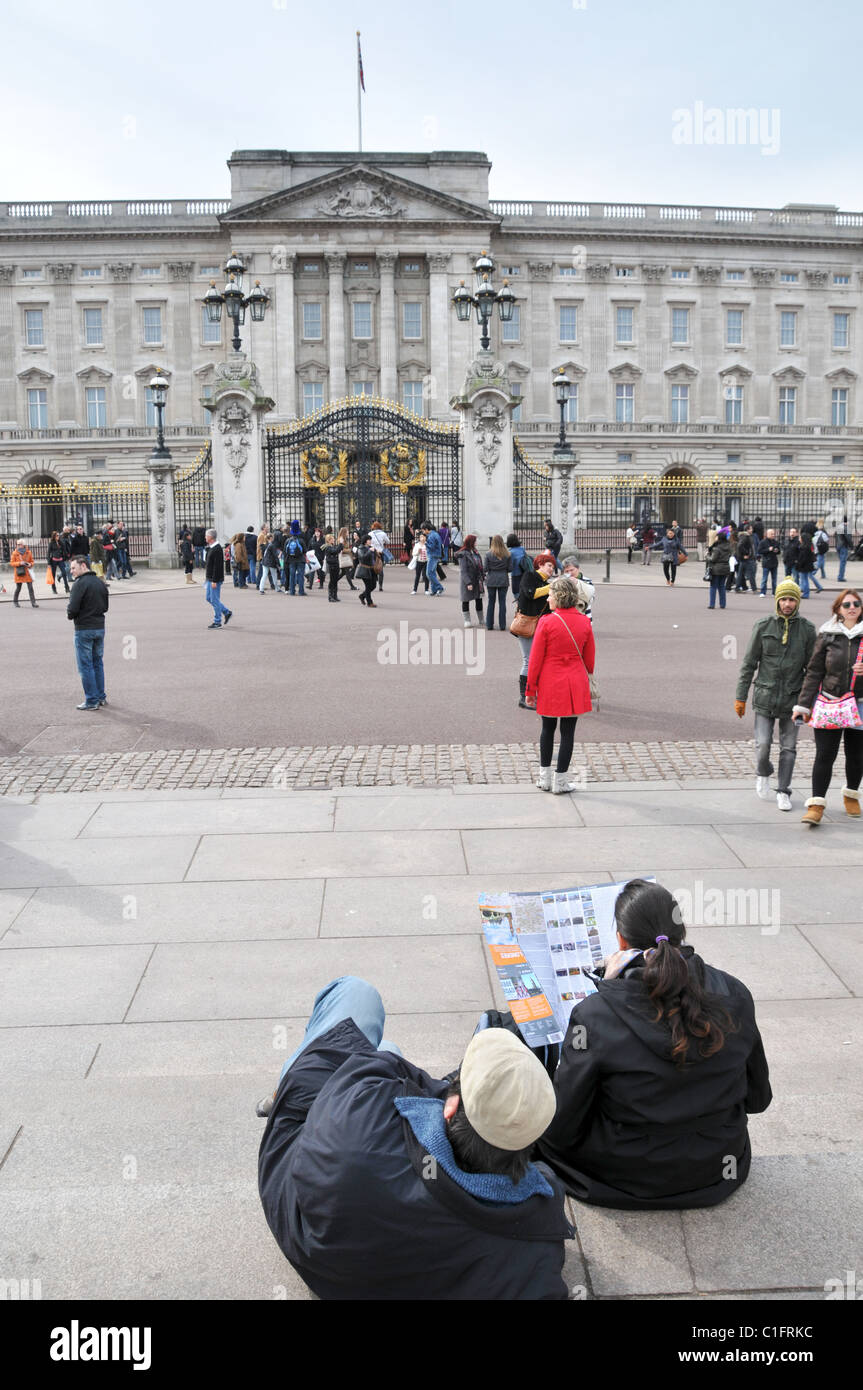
x: 79, y: 544
x: 199, y: 536
x: 215, y: 571
x: 251, y: 544
x: 718, y: 557
x: 496, y: 571
x: 789, y: 552
x: 88, y: 602
x: 527, y: 604
x: 831, y: 667
x: 768, y: 553
x: 348, y: 1191
x: 552, y: 540
x: 632, y: 1129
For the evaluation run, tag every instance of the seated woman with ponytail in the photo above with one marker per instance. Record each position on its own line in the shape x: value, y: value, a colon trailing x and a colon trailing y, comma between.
x: 658, y: 1071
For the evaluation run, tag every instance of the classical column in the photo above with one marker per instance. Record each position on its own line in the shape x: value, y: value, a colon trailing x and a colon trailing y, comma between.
x: 439, y: 321
x: 121, y: 308
x: 8, y: 391
x: 336, y: 268
x: 237, y: 434
x: 163, y: 521
x: 486, y: 405
x: 562, y: 480
x: 286, y: 330
x: 389, y: 339
x: 68, y: 408
x: 180, y: 273
x: 540, y: 337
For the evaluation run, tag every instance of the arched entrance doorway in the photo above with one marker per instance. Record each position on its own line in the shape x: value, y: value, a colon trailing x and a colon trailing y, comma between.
x: 34, y: 508
x: 677, y: 496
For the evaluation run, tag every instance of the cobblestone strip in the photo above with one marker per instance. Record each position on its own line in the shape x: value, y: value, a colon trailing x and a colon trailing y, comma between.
x: 372, y: 765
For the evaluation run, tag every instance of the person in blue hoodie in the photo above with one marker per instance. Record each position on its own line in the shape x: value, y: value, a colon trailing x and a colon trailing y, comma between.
x: 434, y: 552
x: 295, y: 560
x: 519, y: 561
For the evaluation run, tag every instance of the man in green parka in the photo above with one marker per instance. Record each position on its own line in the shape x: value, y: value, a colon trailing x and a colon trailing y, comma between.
x: 777, y: 656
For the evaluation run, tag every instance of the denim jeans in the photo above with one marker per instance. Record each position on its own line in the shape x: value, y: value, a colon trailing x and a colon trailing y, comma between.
x: 124, y: 564
x: 60, y: 573
x: 431, y: 570
x: 787, y: 749
x: 213, y: 593
x: 717, y: 587
x: 500, y: 595
x: 200, y: 552
x: 297, y: 573
x: 842, y: 552
x: 819, y: 565
x: 348, y: 997
x: 802, y: 577
x: 253, y: 570
x: 89, y: 648
x: 273, y: 574
x: 768, y: 572
x: 525, y: 643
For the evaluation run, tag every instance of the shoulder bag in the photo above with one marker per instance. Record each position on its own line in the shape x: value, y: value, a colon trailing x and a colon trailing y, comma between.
x: 592, y: 681
x: 523, y: 625
x: 838, y: 711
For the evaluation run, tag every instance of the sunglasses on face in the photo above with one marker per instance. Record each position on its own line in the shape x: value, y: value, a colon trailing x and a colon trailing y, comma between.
x: 850, y: 603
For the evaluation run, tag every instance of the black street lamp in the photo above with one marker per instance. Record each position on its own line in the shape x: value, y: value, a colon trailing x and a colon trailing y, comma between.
x: 561, y: 383
x: 484, y: 299
x: 234, y: 300
x: 159, y: 387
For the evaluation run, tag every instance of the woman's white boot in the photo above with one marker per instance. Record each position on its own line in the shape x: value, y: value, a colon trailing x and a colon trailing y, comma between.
x: 543, y: 781
x: 561, y: 784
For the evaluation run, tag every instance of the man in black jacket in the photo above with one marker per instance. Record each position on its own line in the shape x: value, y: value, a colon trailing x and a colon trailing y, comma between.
x: 215, y: 577
x: 552, y: 539
x: 87, y: 606
x: 379, y: 1182
x: 79, y: 542
x: 769, y: 551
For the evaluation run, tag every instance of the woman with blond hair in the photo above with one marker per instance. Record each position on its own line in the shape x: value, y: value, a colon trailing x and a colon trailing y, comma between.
x: 835, y: 668
x: 347, y: 561
x: 558, y: 677
x: 496, y: 570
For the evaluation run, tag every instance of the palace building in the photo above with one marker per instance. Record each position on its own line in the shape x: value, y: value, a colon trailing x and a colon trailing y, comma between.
x: 698, y: 341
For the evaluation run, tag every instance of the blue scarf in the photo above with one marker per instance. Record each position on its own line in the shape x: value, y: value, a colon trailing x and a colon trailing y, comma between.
x: 424, y: 1114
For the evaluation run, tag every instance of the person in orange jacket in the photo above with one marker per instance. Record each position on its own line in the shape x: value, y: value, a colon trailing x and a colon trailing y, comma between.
x: 21, y: 561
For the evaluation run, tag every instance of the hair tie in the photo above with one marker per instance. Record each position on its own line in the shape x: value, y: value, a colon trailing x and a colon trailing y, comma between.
x: 661, y: 938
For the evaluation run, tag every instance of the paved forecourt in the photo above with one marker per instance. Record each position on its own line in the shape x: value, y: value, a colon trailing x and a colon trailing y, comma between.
x: 159, y: 952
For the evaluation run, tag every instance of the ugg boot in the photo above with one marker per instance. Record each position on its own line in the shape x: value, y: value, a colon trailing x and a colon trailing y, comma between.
x: 522, y: 687
x: 814, y: 810
x: 190, y: 580
x: 543, y: 781
x: 852, y: 801
x: 561, y: 784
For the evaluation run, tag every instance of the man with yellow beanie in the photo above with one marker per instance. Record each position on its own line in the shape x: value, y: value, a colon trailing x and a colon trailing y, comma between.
x: 776, y: 658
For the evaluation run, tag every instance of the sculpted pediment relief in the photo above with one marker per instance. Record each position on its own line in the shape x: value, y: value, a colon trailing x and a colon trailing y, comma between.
x: 358, y: 194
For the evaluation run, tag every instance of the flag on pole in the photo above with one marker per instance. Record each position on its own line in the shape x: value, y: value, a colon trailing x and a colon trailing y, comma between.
x: 360, y: 62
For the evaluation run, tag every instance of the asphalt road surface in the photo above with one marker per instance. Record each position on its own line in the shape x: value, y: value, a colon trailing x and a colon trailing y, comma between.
x: 291, y: 671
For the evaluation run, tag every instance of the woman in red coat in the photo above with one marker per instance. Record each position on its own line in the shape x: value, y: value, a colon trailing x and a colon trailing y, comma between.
x: 560, y: 659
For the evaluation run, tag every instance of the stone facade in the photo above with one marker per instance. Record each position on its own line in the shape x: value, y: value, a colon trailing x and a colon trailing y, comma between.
x: 699, y: 340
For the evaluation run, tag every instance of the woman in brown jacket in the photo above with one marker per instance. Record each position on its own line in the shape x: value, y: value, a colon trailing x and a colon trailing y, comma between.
x: 21, y: 561
x: 836, y: 661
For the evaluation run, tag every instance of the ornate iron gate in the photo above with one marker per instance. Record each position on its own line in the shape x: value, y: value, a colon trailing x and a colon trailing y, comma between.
x: 193, y: 491
x: 531, y: 498
x: 359, y: 461
x: 34, y: 510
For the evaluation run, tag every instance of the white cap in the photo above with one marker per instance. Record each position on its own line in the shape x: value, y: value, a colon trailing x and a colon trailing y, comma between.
x: 506, y: 1092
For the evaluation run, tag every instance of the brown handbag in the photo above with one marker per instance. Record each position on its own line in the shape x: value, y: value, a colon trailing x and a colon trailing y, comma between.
x: 522, y: 625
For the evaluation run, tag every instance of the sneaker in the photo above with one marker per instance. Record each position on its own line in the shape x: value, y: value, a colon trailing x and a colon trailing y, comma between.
x: 104, y: 700
x: 783, y: 801
x: 762, y: 788
x: 212, y: 625
x: 228, y: 616
x: 86, y: 706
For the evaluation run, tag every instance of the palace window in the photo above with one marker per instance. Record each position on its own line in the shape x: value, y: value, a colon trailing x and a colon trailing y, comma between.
x: 152, y: 319
x: 734, y: 327
x: 841, y: 330
x: 623, y: 325
x: 37, y: 409
x: 412, y: 396
x: 96, y: 409
x: 839, y: 405
x: 680, y: 325
x: 362, y: 319
x: 34, y: 328
x: 680, y: 405
x: 787, y: 405
x: 412, y: 320
x: 93, y: 327
x: 624, y: 403
x: 787, y: 328
x: 210, y: 332
x: 511, y: 331
x: 313, y: 396
x: 312, y: 322
x: 734, y: 405
x: 568, y: 323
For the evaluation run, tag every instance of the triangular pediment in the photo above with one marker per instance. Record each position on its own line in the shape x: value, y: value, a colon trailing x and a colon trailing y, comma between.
x: 358, y: 194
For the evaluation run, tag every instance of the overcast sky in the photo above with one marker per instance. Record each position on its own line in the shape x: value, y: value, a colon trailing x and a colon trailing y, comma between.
x: 620, y: 100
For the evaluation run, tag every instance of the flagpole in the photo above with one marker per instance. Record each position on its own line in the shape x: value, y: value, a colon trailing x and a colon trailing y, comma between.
x: 359, y: 98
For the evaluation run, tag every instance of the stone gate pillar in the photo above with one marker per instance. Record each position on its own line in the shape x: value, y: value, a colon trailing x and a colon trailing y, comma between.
x: 564, y: 511
x: 486, y: 407
x: 163, y: 523
x: 237, y: 409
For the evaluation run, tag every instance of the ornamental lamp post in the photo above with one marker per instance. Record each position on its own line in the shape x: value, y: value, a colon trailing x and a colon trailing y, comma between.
x: 561, y: 384
x: 484, y: 299
x: 159, y: 387
x: 234, y: 300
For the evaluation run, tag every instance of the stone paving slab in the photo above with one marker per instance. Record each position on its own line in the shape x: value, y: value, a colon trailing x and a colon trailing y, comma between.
x: 795, y: 844
x: 55, y: 1049
x: 492, y: 852
x: 368, y: 854
x: 145, y: 859
x: 88, y: 984
x: 841, y: 945
x: 210, y: 817
x: 792, y: 1241
x: 254, y: 979
x: 775, y: 966
x: 422, y: 765
x: 803, y: 898
x: 12, y: 901
x: 441, y: 810
x: 136, y: 912
x: 631, y: 1252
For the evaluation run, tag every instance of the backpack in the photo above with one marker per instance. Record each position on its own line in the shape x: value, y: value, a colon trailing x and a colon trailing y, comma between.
x: 295, y: 549
x: 823, y: 545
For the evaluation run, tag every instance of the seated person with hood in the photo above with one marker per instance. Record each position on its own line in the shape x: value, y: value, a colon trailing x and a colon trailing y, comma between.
x: 658, y: 1072
x: 380, y: 1182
